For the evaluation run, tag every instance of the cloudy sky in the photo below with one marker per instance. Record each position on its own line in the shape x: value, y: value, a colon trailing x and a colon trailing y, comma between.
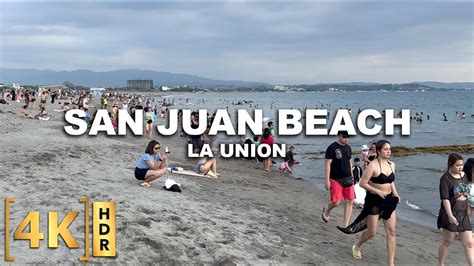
x: 288, y: 43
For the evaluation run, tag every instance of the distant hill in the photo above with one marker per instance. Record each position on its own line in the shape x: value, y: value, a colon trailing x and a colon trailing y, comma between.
x: 116, y: 78
x: 360, y: 86
x: 119, y: 78
x: 426, y: 85
x: 444, y: 85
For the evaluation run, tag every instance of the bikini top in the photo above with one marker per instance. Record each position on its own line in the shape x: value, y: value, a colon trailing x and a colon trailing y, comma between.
x: 382, y: 178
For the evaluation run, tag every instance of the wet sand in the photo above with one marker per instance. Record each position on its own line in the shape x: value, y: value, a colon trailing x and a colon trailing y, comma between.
x: 245, y: 216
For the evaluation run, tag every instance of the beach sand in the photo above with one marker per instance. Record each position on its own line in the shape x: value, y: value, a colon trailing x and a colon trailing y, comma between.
x: 245, y: 216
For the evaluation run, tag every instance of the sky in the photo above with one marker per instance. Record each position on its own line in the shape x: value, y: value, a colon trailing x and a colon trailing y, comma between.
x: 278, y: 43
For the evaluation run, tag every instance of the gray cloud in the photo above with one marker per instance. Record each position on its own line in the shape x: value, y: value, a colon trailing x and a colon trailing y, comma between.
x: 271, y: 42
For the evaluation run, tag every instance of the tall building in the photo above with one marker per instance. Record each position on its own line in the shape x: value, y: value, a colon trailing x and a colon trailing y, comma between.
x: 139, y: 84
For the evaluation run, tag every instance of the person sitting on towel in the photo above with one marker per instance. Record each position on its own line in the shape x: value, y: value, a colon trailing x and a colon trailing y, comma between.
x: 207, y: 166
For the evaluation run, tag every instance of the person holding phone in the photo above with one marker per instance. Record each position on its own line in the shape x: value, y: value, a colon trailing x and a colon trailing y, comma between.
x: 151, y: 165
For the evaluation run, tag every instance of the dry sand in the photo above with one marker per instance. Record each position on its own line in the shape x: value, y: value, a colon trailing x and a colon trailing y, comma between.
x: 245, y: 216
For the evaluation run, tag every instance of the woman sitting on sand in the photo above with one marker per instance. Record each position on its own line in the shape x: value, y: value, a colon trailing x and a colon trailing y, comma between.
x: 207, y: 166
x: 42, y: 115
x: 151, y: 165
x: 24, y: 112
x: 381, y: 201
x: 453, y: 216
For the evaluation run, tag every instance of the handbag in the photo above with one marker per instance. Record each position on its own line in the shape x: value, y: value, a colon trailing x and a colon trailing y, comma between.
x: 346, y: 181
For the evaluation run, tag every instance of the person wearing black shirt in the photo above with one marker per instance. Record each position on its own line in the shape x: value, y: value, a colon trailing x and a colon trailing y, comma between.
x: 338, y: 176
x: 453, y: 215
x: 356, y: 170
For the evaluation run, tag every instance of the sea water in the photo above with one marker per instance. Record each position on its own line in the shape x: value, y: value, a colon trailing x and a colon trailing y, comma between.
x: 417, y: 176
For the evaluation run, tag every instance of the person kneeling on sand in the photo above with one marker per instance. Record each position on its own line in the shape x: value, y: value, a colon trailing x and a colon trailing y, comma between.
x: 24, y: 112
x: 42, y: 115
x: 151, y: 165
x: 207, y: 166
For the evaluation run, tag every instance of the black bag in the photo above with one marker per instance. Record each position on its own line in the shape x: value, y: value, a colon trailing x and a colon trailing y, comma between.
x: 346, y: 181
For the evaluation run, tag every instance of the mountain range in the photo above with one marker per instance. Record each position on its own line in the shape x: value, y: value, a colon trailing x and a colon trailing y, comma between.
x: 118, y: 78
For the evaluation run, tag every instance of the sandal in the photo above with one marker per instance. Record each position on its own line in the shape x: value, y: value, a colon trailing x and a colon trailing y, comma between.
x: 356, y: 254
x: 324, y: 217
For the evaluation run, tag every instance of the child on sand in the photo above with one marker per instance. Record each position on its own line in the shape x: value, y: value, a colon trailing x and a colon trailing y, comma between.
x: 359, y: 192
x: 289, y: 160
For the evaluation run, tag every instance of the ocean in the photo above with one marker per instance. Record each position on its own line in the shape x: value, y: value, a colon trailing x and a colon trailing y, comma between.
x: 417, y: 176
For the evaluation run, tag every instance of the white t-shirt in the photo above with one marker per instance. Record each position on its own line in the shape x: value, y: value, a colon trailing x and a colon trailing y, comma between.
x: 470, y: 197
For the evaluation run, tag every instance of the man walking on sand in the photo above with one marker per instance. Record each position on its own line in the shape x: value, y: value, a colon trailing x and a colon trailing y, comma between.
x: 338, y: 176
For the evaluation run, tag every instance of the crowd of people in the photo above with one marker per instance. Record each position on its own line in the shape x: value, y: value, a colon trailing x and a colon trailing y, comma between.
x: 377, y: 177
x: 373, y: 172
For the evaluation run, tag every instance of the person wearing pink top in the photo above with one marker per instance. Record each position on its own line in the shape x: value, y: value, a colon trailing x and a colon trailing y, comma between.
x: 267, y: 138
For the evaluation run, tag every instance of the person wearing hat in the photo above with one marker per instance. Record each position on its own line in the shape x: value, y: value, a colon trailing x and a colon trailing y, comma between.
x: 338, y: 176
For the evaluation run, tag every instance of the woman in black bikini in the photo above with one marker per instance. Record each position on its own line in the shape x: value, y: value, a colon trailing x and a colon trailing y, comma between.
x: 380, y: 202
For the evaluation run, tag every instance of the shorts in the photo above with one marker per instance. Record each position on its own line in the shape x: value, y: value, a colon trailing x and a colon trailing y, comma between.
x: 338, y: 192
x: 198, y: 168
x: 140, y: 173
x: 149, y: 121
x: 265, y: 149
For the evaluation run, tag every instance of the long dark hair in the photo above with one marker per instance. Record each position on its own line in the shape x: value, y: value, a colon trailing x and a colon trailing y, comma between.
x: 379, y: 145
x: 266, y: 133
x: 468, y: 168
x: 453, y: 158
x: 151, y: 146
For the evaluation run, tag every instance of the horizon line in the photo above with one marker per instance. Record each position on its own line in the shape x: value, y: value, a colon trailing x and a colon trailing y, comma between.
x: 270, y: 83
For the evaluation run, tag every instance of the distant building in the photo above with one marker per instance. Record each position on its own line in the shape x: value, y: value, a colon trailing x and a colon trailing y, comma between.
x: 280, y: 88
x: 139, y: 84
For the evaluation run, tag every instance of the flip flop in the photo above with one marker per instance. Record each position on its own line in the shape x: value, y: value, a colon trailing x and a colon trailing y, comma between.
x: 356, y: 254
x: 324, y: 217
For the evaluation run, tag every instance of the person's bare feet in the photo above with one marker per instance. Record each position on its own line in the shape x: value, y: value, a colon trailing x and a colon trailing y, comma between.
x: 145, y: 185
x: 211, y: 174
